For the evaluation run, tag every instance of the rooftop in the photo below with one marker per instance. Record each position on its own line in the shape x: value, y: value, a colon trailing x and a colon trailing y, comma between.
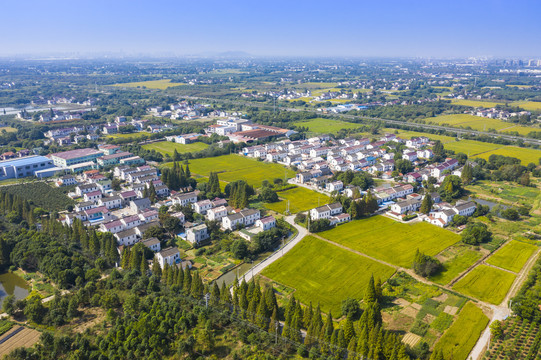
x: 73, y: 154
x: 28, y: 160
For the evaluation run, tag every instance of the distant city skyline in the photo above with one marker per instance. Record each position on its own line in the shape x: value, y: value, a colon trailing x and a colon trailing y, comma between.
x: 393, y: 28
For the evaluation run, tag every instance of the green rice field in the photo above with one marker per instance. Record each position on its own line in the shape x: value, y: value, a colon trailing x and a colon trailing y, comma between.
x: 486, y: 283
x: 300, y: 199
x: 324, y: 273
x: 391, y: 241
x: 460, y: 338
x: 235, y: 167
x: 151, y: 84
x: 169, y: 147
x: 512, y: 256
x: 320, y: 125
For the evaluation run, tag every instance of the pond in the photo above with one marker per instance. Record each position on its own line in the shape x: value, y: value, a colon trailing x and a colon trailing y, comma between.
x: 229, y: 277
x: 11, y: 284
x: 490, y: 204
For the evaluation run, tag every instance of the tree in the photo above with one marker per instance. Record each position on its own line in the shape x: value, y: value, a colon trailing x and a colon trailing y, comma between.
x: 476, y: 233
x: 496, y: 329
x: 425, y: 265
x: 510, y: 214
x: 426, y: 205
x: 350, y: 308
x: 370, y: 295
x: 451, y: 188
x: 467, y: 174
x: 269, y: 195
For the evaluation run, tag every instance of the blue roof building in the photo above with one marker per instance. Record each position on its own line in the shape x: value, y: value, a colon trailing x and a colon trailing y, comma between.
x: 24, y: 167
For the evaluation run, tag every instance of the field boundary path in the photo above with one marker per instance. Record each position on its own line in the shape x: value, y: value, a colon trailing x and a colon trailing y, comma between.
x: 256, y: 269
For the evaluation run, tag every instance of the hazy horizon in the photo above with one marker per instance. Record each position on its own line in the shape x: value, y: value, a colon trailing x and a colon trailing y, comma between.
x: 166, y: 28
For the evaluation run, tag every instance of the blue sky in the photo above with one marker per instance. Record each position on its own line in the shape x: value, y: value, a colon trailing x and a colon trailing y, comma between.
x: 284, y: 28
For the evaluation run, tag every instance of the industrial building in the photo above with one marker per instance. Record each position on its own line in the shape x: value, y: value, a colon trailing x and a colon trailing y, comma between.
x: 25, y: 166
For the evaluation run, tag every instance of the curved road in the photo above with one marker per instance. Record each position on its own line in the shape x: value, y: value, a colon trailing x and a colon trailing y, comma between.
x: 302, y: 232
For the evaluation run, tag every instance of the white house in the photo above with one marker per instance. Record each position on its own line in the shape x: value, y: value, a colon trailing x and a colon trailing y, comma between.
x: 266, y: 223
x: 111, y: 202
x: 152, y: 243
x: 93, y: 196
x: 326, y: 211
x: 196, y: 234
x: 184, y: 199
x: 404, y: 206
x: 169, y: 256
x: 126, y: 237
x: 245, y: 217
x: 334, y: 186
x: 201, y: 207
x: 465, y: 208
x: 217, y: 213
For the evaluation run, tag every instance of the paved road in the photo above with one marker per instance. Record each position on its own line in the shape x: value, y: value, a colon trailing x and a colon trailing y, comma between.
x: 302, y: 232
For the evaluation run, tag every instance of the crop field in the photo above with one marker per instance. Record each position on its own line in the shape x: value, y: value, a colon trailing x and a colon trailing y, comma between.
x: 323, y: 273
x: 528, y: 105
x: 526, y: 155
x: 391, y: 241
x: 169, y: 147
x: 460, y: 338
x: 512, y: 256
x: 465, y: 120
x: 409, y: 134
x: 475, y: 103
x: 135, y: 136
x: 300, y: 199
x: 471, y: 147
x: 235, y: 167
x: 320, y: 125
x: 456, y: 264
x: 486, y: 283
x: 21, y: 338
x: 151, y: 84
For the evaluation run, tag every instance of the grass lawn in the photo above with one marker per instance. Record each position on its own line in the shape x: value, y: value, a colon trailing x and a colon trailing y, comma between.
x: 512, y: 256
x: 471, y: 147
x: 168, y: 147
x: 235, y: 167
x: 151, y: 84
x: 8, y: 129
x: 390, y: 240
x: 526, y: 155
x: 320, y: 125
x: 486, y: 283
x: 455, y: 265
x: 326, y: 274
x: 475, y: 103
x: 300, y: 199
x: 460, y: 338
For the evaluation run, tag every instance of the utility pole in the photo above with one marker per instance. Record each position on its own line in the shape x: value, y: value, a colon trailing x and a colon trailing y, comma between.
x: 276, y: 332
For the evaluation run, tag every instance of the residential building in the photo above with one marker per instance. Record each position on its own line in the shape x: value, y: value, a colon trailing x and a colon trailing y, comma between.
x: 325, y: 211
x: 169, y: 256
x: 197, y: 234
